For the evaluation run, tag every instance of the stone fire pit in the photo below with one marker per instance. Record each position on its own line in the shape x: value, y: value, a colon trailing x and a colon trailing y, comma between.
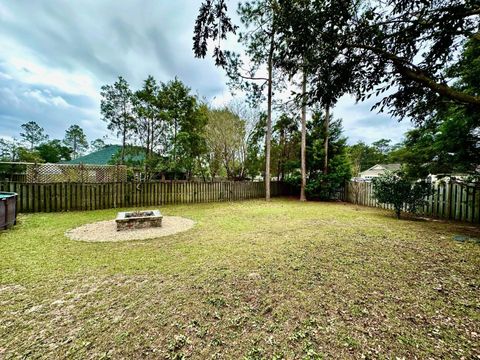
x: 130, y: 220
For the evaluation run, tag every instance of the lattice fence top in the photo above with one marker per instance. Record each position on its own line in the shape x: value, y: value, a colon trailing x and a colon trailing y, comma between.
x: 53, y: 173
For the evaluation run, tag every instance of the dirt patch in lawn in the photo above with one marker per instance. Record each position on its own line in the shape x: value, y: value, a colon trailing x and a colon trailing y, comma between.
x: 106, y: 231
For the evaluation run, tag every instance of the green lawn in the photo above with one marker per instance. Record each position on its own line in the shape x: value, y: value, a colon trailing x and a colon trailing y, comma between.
x: 251, y: 280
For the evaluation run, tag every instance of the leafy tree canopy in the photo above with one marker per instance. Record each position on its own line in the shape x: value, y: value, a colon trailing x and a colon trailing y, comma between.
x: 54, y: 151
x: 33, y: 134
x: 406, y: 46
x: 401, y: 46
x: 8, y: 150
x: 76, y: 140
x: 448, y: 141
x: 212, y: 24
x: 97, y: 144
x: 116, y: 108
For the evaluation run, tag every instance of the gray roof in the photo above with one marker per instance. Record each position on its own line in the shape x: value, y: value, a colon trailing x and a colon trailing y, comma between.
x: 391, y: 167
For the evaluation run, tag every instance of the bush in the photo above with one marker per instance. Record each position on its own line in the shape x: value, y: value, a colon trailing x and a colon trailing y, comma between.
x: 294, y: 180
x: 394, y: 189
x: 326, y: 186
x: 320, y: 186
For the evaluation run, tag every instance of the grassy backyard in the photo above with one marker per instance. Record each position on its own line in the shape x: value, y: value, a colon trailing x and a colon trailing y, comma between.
x: 251, y: 280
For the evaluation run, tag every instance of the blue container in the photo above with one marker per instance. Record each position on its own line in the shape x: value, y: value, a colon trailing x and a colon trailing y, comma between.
x: 8, y: 210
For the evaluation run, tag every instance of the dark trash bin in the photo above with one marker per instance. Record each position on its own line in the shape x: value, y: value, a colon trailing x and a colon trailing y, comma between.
x: 8, y: 210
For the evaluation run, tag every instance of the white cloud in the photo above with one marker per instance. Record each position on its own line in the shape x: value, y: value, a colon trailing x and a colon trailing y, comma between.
x: 31, y: 71
x: 8, y: 97
x: 5, y: 76
x: 59, y: 53
x: 362, y: 124
x: 46, y: 98
x: 222, y: 99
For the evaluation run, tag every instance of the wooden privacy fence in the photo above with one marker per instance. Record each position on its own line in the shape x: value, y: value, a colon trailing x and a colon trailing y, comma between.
x: 41, y: 197
x: 452, y: 200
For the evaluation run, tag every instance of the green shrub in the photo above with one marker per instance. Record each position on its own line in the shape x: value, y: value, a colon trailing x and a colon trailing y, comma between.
x: 395, y: 189
x: 325, y: 186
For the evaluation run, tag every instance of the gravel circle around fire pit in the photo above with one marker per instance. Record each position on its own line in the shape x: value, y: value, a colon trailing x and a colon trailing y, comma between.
x: 106, y: 231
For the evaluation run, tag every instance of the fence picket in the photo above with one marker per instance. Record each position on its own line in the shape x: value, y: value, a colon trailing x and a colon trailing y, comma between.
x: 448, y: 201
x: 451, y: 200
x: 54, y: 197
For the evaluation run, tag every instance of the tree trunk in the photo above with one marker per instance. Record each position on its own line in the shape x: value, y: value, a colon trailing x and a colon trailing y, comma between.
x: 124, y: 132
x: 75, y: 147
x: 152, y: 135
x: 268, y: 136
x: 175, y: 149
x: 304, y: 139
x: 281, y: 158
x: 325, y: 145
x: 147, y: 153
x: 124, y: 136
x: 148, y: 138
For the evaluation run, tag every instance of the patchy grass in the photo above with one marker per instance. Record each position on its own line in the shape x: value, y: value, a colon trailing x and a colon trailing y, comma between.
x: 252, y: 280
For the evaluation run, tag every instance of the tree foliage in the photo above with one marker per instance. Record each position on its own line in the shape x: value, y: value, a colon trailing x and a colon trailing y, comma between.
x: 76, y: 140
x: 260, y: 47
x: 448, y: 141
x: 248, y: 70
x: 186, y: 118
x: 285, y: 146
x: 30, y: 156
x: 9, y: 150
x: 97, y: 144
x: 420, y: 57
x: 149, y: 124
x: 33, y: 134
x: 51, y: 151
x: 212, y: 24
x: 116, y: 108
x: 225, y: 134
x: 363, y: 156
x: 321, y: 185
x: 54, y: 151
x: 368, y: 48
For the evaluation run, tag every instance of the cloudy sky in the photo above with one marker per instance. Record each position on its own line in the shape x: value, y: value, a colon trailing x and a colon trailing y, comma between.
x: 55, y: 55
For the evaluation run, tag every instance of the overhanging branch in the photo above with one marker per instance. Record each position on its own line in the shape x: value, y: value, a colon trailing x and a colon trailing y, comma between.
x: 414, y: 73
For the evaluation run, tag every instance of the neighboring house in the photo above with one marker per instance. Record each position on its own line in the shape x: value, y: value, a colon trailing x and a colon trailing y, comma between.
x: 459, y: 177
x: 104, y: 156
x: 377, y: 170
